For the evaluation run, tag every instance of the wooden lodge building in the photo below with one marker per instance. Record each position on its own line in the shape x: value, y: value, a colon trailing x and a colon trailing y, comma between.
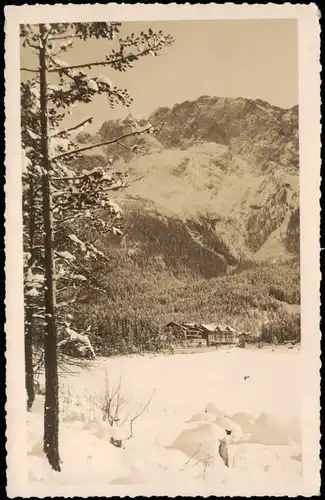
x: 200, y: 335
x: 219, y: 334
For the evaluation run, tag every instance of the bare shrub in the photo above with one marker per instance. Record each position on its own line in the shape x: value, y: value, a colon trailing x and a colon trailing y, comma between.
x: 113, y: 409
x: 113, y: 403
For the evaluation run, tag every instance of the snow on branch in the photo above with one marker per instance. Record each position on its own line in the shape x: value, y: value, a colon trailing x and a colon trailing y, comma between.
x: 87, y: 247
x: 81, y: 273
x: 66, y: 255
x: 78, y: 242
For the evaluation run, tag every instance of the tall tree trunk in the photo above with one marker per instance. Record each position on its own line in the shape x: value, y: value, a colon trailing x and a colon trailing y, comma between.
x: 51, y: 410
x: 29, y: 370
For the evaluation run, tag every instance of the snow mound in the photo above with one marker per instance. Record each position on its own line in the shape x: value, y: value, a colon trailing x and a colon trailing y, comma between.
x: 244, y: 420
x: 213, y: 410
x: 200, y: 443
x: 202, y: 417
x: 269, y: 429
x: 134, y: 478
x: 35, y: 430
x: 176, y: 441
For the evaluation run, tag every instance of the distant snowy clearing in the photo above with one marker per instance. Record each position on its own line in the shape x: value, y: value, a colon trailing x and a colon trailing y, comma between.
x: 255, y: 394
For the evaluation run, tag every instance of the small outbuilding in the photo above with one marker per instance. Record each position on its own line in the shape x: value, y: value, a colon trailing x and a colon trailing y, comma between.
x: 245, y: 338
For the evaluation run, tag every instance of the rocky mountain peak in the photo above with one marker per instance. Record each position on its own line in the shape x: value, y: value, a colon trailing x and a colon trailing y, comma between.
x: 218, y: 176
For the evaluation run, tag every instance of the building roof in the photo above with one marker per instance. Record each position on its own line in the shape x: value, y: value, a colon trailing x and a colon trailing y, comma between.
x: 214, y: 327
x: 174, y: 323
x: 209, y: 327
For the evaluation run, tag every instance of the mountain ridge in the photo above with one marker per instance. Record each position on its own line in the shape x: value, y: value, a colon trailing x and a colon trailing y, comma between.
x: 217, y: 177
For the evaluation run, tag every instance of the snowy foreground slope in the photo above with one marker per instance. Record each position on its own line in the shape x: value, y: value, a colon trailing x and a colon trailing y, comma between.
x: 174, y: 448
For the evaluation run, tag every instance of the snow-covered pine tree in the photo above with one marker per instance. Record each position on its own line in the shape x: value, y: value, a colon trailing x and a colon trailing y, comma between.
x: 59, y: 201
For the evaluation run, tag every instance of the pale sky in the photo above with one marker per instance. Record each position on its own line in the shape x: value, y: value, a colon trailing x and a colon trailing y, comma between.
x: 236, y: 58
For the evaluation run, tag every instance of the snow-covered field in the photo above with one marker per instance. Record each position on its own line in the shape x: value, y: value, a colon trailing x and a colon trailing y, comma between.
x: 174, y: 448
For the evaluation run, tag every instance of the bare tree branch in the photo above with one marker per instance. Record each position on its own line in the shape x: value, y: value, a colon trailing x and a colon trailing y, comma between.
x: 48, y: 34
x: 104, y: 63
x: 31, y: 45
x: 139, y: 414
x: 76, y: 177
x: 75, y: 127
x: 136, y: 180
x: 114, y: 187
x: 105, y: 143
x: 30, y: 70
x: 195, y: 453
x: 63, y: 37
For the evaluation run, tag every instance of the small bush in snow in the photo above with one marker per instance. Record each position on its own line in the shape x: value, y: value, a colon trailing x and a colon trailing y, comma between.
x: 77, y: 345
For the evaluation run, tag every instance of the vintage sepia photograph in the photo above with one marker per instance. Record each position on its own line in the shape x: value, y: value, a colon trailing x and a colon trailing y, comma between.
x: 160, y: 254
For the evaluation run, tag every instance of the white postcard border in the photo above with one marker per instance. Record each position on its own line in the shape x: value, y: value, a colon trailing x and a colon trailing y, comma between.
x: 309, y: 123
